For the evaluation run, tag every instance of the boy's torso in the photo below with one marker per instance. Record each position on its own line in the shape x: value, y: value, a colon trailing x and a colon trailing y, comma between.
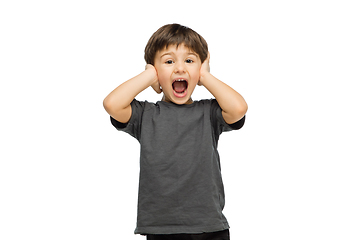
x: 180, y: 186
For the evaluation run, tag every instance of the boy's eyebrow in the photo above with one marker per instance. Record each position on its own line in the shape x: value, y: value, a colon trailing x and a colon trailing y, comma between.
x: 172, y: 53
x: 192, y: 53
x: 167, y: 53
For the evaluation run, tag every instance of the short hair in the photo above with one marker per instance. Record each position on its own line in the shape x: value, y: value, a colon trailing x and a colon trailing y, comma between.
x: 175, y: 34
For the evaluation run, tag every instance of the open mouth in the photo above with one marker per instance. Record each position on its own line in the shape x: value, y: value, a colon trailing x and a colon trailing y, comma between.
x: 180, y: 86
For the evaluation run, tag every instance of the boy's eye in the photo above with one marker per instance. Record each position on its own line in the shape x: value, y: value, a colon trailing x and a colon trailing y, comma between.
x: 189, y: 61
x: 169, y: 62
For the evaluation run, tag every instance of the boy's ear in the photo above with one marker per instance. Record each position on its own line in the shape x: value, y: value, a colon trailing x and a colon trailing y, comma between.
x: 149, y: 66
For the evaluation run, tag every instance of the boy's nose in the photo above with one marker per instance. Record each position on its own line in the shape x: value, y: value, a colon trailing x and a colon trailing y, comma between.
x: 179, y: 67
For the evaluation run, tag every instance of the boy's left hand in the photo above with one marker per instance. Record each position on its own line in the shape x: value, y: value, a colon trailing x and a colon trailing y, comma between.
x: 205, y: 68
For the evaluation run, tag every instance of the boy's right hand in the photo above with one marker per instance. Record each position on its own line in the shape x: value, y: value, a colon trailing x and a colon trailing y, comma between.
x: 155, y: 85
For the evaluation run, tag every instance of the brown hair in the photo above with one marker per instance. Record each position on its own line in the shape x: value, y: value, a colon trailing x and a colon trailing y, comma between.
x: 175, y: 34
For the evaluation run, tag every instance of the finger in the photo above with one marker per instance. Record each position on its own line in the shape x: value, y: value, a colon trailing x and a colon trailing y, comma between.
x: 157, y: 88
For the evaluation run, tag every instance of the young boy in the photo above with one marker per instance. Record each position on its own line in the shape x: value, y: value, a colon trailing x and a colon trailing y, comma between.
x: 181, y: 194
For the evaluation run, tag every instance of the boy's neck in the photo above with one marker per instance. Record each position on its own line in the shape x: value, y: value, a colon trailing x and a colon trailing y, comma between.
x: 165, y: 99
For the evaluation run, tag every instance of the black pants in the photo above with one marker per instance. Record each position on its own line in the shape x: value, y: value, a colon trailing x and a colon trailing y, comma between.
x: 222, y: 235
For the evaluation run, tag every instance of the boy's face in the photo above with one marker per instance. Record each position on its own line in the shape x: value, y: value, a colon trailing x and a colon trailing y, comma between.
x: 178, y: 70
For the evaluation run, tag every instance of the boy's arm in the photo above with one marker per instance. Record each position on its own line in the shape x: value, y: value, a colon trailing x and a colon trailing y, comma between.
x: 231, y: 102
x: 117, y: 103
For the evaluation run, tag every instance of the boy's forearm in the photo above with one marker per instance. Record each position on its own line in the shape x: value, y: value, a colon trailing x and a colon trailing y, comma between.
x: 231, y: 102
x: 123, y: 95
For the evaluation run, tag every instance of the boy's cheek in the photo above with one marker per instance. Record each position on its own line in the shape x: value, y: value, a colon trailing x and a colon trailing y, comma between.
x: 162, y: 81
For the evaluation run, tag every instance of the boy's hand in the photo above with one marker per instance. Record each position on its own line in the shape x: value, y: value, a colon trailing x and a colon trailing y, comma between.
x: 205, y: 68
x: 156, y: 85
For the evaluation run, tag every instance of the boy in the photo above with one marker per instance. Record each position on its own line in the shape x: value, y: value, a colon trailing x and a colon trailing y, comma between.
x: 181, y: 195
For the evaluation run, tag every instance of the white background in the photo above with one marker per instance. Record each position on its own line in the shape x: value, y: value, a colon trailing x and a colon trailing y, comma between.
x: 292, y: 172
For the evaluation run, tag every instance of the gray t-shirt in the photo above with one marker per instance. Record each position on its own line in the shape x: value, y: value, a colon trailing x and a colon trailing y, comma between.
x: 180, y: 186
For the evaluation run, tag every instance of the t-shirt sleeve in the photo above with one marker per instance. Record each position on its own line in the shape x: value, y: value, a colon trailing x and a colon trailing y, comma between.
x: 133, y: 127
x: 218, y: 121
